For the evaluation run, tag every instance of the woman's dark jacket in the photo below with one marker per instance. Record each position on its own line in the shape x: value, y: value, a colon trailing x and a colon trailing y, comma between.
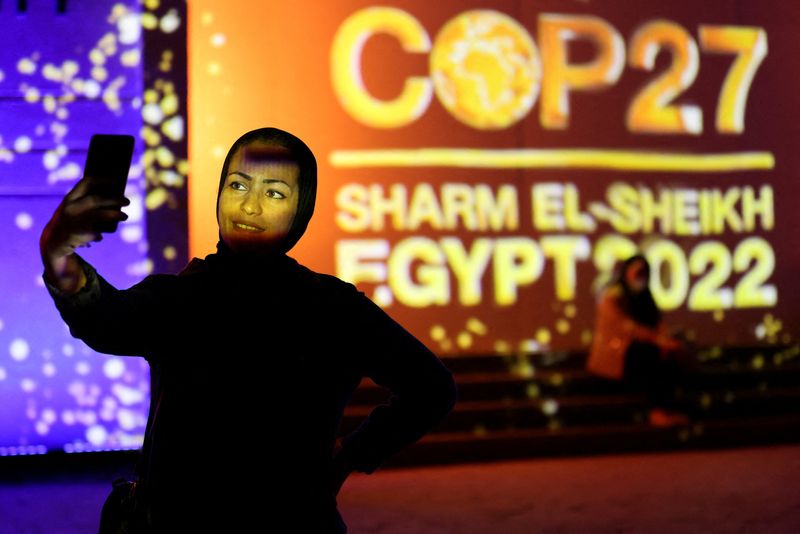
x: 252, y: 364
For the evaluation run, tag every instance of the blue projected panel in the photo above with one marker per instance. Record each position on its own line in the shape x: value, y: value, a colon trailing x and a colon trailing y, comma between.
x: 63, y: 77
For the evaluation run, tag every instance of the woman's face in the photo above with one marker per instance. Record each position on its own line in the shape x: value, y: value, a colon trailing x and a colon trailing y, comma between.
x: 636, y: 276
x: 258, y: 200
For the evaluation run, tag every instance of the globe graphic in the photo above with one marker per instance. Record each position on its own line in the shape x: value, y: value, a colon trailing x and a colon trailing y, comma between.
x: 485, y: 69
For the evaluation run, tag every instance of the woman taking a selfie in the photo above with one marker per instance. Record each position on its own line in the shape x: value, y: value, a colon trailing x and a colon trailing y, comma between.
x: 252, y: 356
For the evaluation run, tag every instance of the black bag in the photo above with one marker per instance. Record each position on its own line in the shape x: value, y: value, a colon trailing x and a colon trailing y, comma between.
x: 123, y: 511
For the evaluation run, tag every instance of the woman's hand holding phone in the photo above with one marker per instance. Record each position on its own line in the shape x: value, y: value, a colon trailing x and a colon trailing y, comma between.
x: 79, y: 219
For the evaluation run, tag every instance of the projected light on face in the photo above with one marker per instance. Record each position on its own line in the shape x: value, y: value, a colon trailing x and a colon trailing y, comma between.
x: 258, y: 200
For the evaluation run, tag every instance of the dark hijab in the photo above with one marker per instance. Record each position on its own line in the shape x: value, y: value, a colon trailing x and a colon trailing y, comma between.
x: 297, y: 152
x: 639, y: 306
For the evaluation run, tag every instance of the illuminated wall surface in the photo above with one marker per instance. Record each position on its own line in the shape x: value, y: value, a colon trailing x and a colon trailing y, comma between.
x: 482, y: 167
x: 69, y: 70
x: 484, y: 164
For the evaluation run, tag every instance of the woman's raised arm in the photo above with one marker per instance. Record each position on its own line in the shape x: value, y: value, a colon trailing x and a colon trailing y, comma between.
x: 109, y: 320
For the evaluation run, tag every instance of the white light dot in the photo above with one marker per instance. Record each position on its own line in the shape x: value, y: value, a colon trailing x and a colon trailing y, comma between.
x: 69, y: 172
x: 28, y: 385
x: 152, y: 113
x: 174, y: 128
x: 3, y: 374
x: 114, y: 368
x: 68, y: 417
x: 135, y: 210
x: 49, y: 416
x: 23, y: 143
x: 42, y: 428
x: 549, y: 407
x: 91, y: 89
x: 19, y: 349
x: 67, y: 349
x: 218, y: 39
x: 127, y: 395
x: 96, y: 435
x: 24, y: 221
x: 83, y: 368
x: 761, y: 331
x: 49, y: 369
x: 383, y: 296
x: 140, y: 268
x: 2, y: 324
x: 26, y: 66
x: 170, y: 22
x: 131, y: 233
x: 126, y: 419
x: 129, y: 28
x: 50, y: 160
x: 87, y: 417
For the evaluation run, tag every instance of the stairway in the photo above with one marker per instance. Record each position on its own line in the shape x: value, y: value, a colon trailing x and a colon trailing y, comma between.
x: 529, y: 405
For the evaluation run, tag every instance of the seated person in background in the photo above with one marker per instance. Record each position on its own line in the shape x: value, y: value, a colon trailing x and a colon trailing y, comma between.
x: 631, y: 342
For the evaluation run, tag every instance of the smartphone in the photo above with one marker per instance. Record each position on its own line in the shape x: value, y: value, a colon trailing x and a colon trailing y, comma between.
x: 107, y: 165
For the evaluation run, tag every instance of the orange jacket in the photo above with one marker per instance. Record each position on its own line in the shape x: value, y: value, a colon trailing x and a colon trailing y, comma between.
x: 614, y: 331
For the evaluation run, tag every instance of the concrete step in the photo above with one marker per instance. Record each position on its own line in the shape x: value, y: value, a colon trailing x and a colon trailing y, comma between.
x: 597, y: 410
x: 456, y: 447
x: 527, y: 383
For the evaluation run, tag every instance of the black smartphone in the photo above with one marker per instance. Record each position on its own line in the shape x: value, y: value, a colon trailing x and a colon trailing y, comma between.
x: 107, y: 165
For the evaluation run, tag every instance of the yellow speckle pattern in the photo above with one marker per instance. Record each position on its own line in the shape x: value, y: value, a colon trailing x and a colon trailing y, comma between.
x: 149, y: 21
x: 438, y: 332
x: 543, y: 336
x: 523, y: 367
x: 476, y: 326
x: 214, y: 68
x: 155, y: 198
x: 502, y: 346
x: 586, y: 336
x: 562, y: 326
x: 26, y: 66
x: 464, y: 340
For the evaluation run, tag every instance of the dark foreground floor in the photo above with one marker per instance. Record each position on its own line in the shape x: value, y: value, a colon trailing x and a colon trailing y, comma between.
x: 734, y: 490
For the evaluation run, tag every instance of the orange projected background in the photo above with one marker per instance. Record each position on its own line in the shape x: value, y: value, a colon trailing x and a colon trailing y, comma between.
x: 482, y: 166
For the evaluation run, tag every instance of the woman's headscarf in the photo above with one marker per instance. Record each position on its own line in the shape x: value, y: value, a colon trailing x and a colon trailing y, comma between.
x: 640, y: 306
x: 302, y: 155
